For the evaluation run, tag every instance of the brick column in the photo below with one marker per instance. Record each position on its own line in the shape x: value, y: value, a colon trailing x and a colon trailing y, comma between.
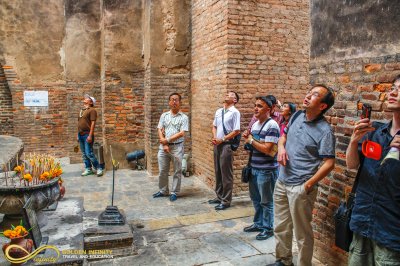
x: 6, y: 110
x: 166, y: 60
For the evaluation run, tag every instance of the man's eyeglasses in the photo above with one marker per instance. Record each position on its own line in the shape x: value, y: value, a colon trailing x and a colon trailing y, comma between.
x: 313, y: 93
x: 174, y: 100
x: 393, y: 88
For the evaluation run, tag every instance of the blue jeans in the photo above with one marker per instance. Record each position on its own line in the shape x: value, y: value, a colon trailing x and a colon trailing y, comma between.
x: 88, y: 156
x: 261, y: 188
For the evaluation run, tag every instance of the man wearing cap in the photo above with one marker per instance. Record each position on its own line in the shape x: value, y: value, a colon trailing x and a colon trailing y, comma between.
x: 86, y: 123
x: 262, y: 141
x: 171, y: 131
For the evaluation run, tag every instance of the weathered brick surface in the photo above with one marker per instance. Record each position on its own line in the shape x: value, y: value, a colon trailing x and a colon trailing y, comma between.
x: 367, y: 82
x: 6, y: 110
x: 252, y: 47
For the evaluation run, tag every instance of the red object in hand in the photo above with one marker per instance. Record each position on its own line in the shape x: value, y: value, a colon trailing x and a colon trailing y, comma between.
x: 371, y: 149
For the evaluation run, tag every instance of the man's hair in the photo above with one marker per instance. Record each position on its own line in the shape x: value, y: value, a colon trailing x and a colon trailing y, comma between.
x: 272, y: 98
x: 266, y: 100
x: 236, y: 95
x: 175, y: 93
x: 329, y: 97
x: 396, y: 78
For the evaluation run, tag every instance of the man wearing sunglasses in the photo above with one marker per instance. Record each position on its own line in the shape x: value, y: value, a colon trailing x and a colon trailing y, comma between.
x: 262, y: 141
x: 306, y: 152
x: 375, y: 219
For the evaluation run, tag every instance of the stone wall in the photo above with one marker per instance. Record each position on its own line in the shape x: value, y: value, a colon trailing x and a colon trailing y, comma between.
x: 358, y: 71
x: 253, y: 48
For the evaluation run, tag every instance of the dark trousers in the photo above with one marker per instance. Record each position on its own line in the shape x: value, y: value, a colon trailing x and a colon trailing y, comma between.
x: 223, y: 165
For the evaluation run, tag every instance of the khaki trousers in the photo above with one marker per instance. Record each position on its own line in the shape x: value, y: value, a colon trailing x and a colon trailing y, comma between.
x: 293, y: 210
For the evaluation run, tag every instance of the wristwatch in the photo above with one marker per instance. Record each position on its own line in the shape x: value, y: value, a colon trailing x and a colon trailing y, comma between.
x: 251, y: 141
x: 223, y: 139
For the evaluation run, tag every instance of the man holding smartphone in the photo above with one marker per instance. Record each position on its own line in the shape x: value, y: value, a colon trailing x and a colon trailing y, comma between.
x: 375, y: 219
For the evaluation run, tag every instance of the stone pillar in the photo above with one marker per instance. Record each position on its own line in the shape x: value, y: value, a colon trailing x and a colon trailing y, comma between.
x: 167, y: 65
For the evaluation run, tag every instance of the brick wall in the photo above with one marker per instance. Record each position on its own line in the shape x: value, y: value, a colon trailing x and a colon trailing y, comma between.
x: 6, y: 111
x: 50, y: 129
x: 208, y: 78
x: 251, y: 47
x: 364, y: 79
x: 167, y: 62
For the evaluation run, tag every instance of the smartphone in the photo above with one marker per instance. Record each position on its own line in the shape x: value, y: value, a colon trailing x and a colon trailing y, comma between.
x: 366, y: 111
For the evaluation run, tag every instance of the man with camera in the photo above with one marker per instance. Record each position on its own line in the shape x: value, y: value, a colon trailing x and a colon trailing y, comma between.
x: 262, y: 142
x: 226, y: 127
x: 306, y: 152
x: 375, y: 219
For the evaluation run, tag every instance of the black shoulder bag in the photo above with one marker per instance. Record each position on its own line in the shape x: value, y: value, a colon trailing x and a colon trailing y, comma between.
x: 235, y: 141
x: 342, y: 216
x: 246, y: 171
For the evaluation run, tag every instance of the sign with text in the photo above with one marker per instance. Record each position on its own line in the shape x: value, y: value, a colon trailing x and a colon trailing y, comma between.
x: 36, y: 98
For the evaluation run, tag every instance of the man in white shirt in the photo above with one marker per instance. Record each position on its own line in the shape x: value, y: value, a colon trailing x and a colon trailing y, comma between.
x: 171, y: 131
x: 228, y: 117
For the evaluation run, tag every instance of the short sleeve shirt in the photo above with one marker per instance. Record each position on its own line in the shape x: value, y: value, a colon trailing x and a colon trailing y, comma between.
x: 307, y: 144
x: 173, y: 124
x: 269, y: 133
x: 231, y: 121
x: 85, y: 119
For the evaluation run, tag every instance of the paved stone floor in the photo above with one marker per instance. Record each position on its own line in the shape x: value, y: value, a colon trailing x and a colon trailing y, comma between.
x: 185, y: 232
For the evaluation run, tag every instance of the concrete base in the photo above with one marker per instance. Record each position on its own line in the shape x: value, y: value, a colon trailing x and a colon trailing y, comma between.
x: 118, y: 239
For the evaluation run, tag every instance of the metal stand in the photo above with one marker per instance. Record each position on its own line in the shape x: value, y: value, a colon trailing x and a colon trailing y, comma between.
x: 111, y: 215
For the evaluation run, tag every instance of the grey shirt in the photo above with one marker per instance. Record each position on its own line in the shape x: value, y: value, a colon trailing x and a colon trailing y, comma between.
x: 307, y: 144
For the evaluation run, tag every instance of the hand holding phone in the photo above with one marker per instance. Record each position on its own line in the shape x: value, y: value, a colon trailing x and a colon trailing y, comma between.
x: 366, y: 111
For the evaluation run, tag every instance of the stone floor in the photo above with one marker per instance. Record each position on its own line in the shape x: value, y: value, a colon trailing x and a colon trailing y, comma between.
x: 185, y: 232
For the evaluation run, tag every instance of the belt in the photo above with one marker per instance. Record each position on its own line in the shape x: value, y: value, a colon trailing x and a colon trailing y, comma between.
x: 173, y: 144
x: 84, y: 132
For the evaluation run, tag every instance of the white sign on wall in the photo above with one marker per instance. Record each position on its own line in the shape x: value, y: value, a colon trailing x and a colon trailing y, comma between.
x: 36, y: 98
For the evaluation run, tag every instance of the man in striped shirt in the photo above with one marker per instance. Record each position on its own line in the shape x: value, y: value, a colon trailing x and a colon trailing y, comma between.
x: 171, y: 131
x: 262, y: 141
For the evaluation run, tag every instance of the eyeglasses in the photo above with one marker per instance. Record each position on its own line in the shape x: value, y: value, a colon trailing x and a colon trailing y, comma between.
x: 313, y: 94
x: 393, y: 88
x: 174, y: 100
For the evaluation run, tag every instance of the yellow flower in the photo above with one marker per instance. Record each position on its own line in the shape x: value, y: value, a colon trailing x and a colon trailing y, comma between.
x: 44, y: 176
x: 19, y: 168
x: 28, y: 177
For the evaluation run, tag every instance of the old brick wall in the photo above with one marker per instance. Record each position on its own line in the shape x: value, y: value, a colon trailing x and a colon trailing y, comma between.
x: 167, y: 66
x: 6, y: 110
x: 123, y: 79
x: 359, y: 63
x: 71, y: 48
x: 252, y: 47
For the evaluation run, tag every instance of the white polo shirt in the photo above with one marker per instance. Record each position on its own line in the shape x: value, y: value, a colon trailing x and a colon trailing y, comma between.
x: 231, y: 121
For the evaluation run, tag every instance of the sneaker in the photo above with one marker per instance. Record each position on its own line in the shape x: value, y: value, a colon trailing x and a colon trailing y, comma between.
x: 173, y: 197
x: 100, y: 172
x: 87, y: 172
